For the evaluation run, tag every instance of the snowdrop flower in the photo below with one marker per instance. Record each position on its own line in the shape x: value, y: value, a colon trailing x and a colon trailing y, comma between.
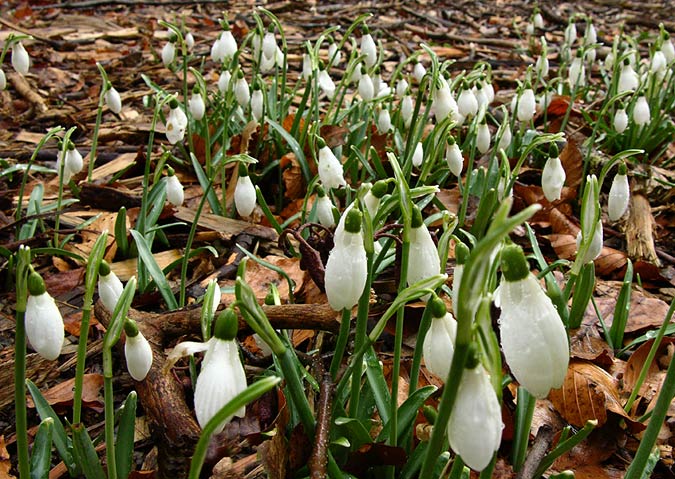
x: 538, y: 20
x: 467, y: 104
x: 423, y: 261
x: 326, y: 83
x: 3, y: 80
x: 306, y: 66
x: 489, y: 90
x: 334, y: 55
x: 346, y: 269
x: 20, y: 58
x: 224, y: 81
x: 112, y: 99
x: 381, y: 88
x: 44, y: 324
x: 590, y: 36
x: 595, y: 247
x: 383, y: 121
x: 225, y: 46
x: 189, y: 41
x: 418, y: 155
x: 330, y: 168
x: 453, y: 156
x: 620, y: 120
x: 242, y: 93
x: 419, y: 71
x: 659, y: 64
x: 667, y: 47
x: 222, y: 376
x: 366, y: 87
x: 483, y: 137
x: 527, y: 105
x: 137, y: 351
x: 372, y: 198
x: 577, y: 71
x: 196, y: 105
x: 506, y: 135
x: 619, y: 194
x: 73, y: 161
x: 324, y: 208
x: 176, y: 123
x: 542, y: 66
x: 257, y: 103
x: 553, y: 176
x: 628, y: 79
x: 174, y: 189
x: 368, y: 48
x: 443, y: 103
x: 439, y: 342
x: 545, y: 99
x: 401, y: 87
x: 475, y: 425
x: 533, y: 337
x: 244, y: 193
x: 571, y: 33
x: 109, y: 286
x: 641, y: 114
x: 407, y: 108
x: 169, y: 52
x: 269, y: 43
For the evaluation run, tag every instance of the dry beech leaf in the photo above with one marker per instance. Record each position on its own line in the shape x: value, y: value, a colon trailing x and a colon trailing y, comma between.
x: 572, y: 162
x: 652, y: 385
x: 294, y: 185
x: 587, y: 393
x: 5, y: 462
x: 62, y: 393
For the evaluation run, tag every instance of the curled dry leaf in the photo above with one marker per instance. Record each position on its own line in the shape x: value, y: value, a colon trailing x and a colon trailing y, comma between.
x: 655, y: 374
x: 62, y: 393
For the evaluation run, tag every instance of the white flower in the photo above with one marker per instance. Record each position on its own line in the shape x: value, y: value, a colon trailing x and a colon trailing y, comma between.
x: 369, y: 49
x: 419, y: 71
x: 407, y: 108
x: 423, y: 260
x: 620, y: 120
x: 189, y: 41
x: 242, y: 92
x: 401, y: 87
x: 659, y: 63
x: 628, y: 79
x: 113, y: 100
x: 168, y: 53
x: 467, y: 104
x: 542, y: 66
x: 346, y: 269
x: 138, y: 354
x: 641, y: 114
x: 174, y: 190
x: 489, y: 92
x: 3, y: 80
x: 269, y: 45
x: 619, y: 195
x: 454, y: 158
x: 73, y: 160
x: 366, y: 87
x: 224, y: 47
x: 330, y: 169
x: 257, y: 104
x: 577, y: 73
x: 244, y: 196
x: 538, y: 20
x: 20, y: 58
x: 533, y: 336
x: 570, y: 34
x: 591, y: 35
x: 527, y: 105
x: 383, y: 121
x: 44, y: 325
x: 595, y: 248
x: 506, y: 137
x: 668, y: 50
x: 222, y: 377
x: 306, y: 66
x: 483, y: 137
x: 224, y: 81
x: 475, y: 425
x: 439, y: 345
x: 443, y: 103
x: 196, y: 106
x: 109, y: 290
x: 418, y: 155
x: 324, y: 211
x: 553, y: 178
x: 326, y: 83
x: 334, y: 55
x: 176, y: 124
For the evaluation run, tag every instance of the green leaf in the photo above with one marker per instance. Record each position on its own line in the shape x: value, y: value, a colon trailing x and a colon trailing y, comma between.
x: 205, y: 183
x: 61, y: 440
x: 622, y: 308
x: 145, y: 255
x: 583, y: 290
x: 121, y: 232
x: 295, y: 148
x: 407, y: 413
x: 119, y: 314
x: 124, y: 443
x: 85, y: 453
x: 378, y: 384
x: 41, y: 457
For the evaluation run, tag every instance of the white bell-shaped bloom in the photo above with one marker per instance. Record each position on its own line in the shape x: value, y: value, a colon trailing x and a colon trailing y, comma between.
x: 369, y: 49
x: 407, y: 109
x: 334, y: 55
x: 257, y: 104
x: 73, y: 160
x: 44, y: 325
x: 533, y: 336
x: 423, y: 260
x: 401, y: 88
x: 527, y: 105
x: 628, y: 78
x: 467, y: 104
x: 659, y: 64
x: 197, y: 106
x: 454, y: 158
x: 538, y: 20
x: 189, y: 41
x: 224, y: 47
x: 3, y: 80
x: 577, y: 73
x: 570, y: 34
x: 506, y: 136
x: 109, y: 290
x: 176, y: 124
x: 168, y: 54
x: 306, y: 66
x: 326, y: 83
x: 475, y: 425
x: 483, y: 137
x: 269, y: 45
x: 346, y: 269
x: 591, y: 35
x: 138, y: 355
x: 224, y: 81
x: 324, y: 211
x: 595, y: 247
x: 242, y: 92
x: 366, y: 88
x: 619, y: 195
x: 668, y: 50
x: 20, y: 58
x: 641, y: 113
x: 174, y: 190
x: 489, y: 90
x: 443, y: 103
x: 553, y: 178
x: 330, y: 169
x: 419, y: 71
x: 383, y: 121
x: 542, y: 66
x: 244, y: 196
x: 439, y: 345
x: 620, y: 120
x: 113, y: 100
x: 418, y: 155
x: 222, y: 377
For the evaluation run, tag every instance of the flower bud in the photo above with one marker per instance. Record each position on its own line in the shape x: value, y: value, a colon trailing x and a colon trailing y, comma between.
x: 244, y: 193
x: 619, y: 195
x: 257, y: 103
x: 620, y: 120
x: 423, y: 259
x: 168, y: 53
x: 44, y: 324
x: 439, y: 342
x: 224, y: 48
x: 366, y: 88
x: 369, y: 49
x: 553, y: 178
x: 20, y: 58
x: 419, y: 71
x: 527, y: 105
x: 418, y: 155
x: 242, y: 93
x: 401, y: 88
x: 407, y: 108
x: 189, y: 41
x: 483, y: 137
x: 113, y: 100
x: 324, y: 208
x: 570, y: 33
x: 454, y: 158
x: 383, y: 121
x: 467, y: 104
x: 628, y: 79
x: 326, y: 83
x: 224, y: 81
x: 330, y: 168
x: 641, y: 113
x: 137, y: 351
x: 196, y: 105
x: 577, y: 71
x: 443, y: 103
x: 174, y: 189
x: 109, y: 287
x: 73, y: 159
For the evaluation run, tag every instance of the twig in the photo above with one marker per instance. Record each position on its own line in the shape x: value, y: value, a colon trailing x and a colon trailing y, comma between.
x: 540, y: 445
x: 24, y: 89
x: 319, y: 458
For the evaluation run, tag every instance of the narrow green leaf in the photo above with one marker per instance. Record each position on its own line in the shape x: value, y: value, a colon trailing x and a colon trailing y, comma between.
x: 41, y: 456
x: 407, y: 413
x: 145, y: 255
x: 583, y: 290
x: 378, y: 384
x: 294, y: 146
x: 119, y: 314
x: 121, y: 232
x: 124, y: 443
x: 622, y: 308
x: 205, y: 183
x: 85, y: 453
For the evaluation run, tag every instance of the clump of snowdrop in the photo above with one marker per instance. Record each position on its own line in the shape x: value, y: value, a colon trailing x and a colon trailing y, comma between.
x: 619, y: 194
x: 346, y: 270
x: 439, y: 342
x: 174, y: 188
x: 44, y: 323
x: 453, y: 156
x: 244, y: 193
x: 20, y: 58
x: 176, y: 123
x: 196, y: 104
x: 109, y: 286
x: 137, y: 351
x: 330, y: 168
x: 553, y: 176
x: 112, y: 99
x: 423, y: 261
x: 533, y: 336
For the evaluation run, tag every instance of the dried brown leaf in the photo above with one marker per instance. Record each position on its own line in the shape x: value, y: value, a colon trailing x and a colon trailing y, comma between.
x: 62, y: 393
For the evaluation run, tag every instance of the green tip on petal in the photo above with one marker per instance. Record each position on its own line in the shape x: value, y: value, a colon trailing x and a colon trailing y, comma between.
x: 379, y: 189
x: 103, y: 268
x: 623, y: 169
x: 461, y: 253
x: 353, y: 221
x: 173, y: 103
x: 553, y: 151
x: 319, y: 142
x: 36, y: 285
x: 473, y: 357
x: 438, y: 309
x: 130, y: 328
x: 227, y: 325
x: 243, y: 169
x: 514, y: 264
x: 417, y: 220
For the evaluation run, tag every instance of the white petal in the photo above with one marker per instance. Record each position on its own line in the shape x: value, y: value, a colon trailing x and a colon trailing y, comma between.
x: 244, y: 196
x: 113, y: 100
x: 619, y: 194
x: 44, y: 326
x: 346, y: 271
x: 423, y: 261
x: 439, y: 345
x: 620, y: 121
x: 138, y: 354
x: 109, y: 290
x: 324, y: 211
x: 197, y: 106
x: 553, y: 179
x: 330, y: 169
x: 174, y: 190
x: 3, y: 80
x: 418, y: 155
x: 483, y: 138
x: 454, y: 158
x: 74, y: 161
x: 168, y: 54
x: 20, y: 58
x: 526, y: 105
x: 224, y: 81
x: 369, y: 49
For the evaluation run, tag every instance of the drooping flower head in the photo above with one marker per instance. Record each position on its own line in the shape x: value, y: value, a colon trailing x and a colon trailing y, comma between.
x: 109, y: 286
x: 330, y: 168
x: 619, y: 194
x: 137, y: 351
x: 553, y: 176
x: 176, y: 123
x: 112, y: 99
x: 20, y: 58
x: 372, y: 198
x: 169, y: 51
x: 368, y: 48
x: 453, y: 157
x: 324, y: 208
x: 174, y: 188
x: 244, y: 193
x: 44, y: 323
x: 196, y: 104
x: 439, y: 343
x: 423, y: 260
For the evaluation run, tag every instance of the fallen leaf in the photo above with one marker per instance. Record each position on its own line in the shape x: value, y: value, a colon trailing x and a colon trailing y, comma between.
x: 5, y: 462
x: 62, y: 393
x: 655, y: 375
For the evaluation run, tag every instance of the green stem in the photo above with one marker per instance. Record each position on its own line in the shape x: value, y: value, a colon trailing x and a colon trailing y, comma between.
x: 417, y: 354
x: 20, y: 393
x: 109, y: 413
x: 288, y: 362
x: 341, y: 344
x: 360, y: 338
